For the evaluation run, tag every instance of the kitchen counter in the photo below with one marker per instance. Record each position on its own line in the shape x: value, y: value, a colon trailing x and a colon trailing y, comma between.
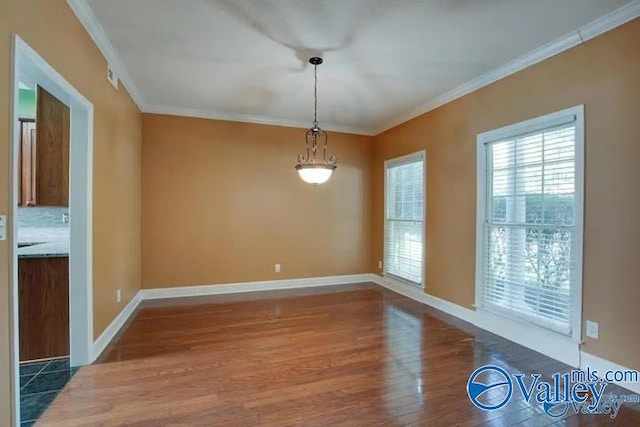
x: 51, y: 242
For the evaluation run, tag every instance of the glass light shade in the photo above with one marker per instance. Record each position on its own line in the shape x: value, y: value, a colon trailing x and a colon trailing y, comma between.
x: 315, y: 174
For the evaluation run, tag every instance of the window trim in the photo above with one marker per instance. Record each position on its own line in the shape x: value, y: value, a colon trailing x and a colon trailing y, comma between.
x: 573, y: 114
x: 397, y: 161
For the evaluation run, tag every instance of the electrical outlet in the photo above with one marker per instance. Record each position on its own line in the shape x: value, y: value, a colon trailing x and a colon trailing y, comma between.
x: 592, y: 329
x: 380, y: 265
x: 118, y: 295
x: 3, y: 227
x: 277, y: 268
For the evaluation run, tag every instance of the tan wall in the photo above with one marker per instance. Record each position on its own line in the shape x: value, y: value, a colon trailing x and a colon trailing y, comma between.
x: 222, y: 203
x: 51, y: 28
x: 603, y: 74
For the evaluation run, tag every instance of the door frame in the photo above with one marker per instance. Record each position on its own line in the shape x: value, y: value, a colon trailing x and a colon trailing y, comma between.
x: 30, y: 67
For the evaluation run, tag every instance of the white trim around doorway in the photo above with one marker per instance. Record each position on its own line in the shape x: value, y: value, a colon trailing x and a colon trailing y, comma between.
x: 27, y: 64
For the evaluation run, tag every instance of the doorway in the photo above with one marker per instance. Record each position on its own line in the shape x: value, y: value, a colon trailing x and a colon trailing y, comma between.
x: 30, y: 68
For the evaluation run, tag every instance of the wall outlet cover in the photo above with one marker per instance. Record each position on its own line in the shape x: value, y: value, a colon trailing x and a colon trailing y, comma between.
x: 3, y: 227
x: 592, y: 329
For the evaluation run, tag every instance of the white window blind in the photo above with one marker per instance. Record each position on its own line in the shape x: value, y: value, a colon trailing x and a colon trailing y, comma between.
x: 404, y: 217
x: 530, y: 233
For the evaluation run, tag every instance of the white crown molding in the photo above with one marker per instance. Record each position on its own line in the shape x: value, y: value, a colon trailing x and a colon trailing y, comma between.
x: 248, y: 118
x: 593, y: 29
x: 92, y: 25
x: 610, y: 21
x: 89, y: 21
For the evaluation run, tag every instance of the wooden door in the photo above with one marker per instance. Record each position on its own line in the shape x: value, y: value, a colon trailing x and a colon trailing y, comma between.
x: 27, y: 182
x: 52, y: 151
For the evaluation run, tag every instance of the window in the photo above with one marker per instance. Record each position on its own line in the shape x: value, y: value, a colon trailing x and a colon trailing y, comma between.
x: 404, y: 218
x: 530, y: 220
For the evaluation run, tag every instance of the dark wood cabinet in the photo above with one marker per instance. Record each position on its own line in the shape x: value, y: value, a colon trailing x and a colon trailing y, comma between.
x: 43, y: 307
x: 52, y: 153
x: 44, y: 166
x: 27, y: 165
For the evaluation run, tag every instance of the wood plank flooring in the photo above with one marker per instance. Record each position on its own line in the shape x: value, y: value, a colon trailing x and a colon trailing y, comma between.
x: 351, y: 355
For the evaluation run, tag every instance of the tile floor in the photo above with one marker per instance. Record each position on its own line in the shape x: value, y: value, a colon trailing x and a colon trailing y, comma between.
x: 40, y: 382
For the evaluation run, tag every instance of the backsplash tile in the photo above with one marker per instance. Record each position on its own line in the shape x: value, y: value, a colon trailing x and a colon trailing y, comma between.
x: 46, y: 217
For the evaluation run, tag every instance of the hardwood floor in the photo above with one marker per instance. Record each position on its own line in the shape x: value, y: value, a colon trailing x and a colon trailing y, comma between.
x: 352, y: 355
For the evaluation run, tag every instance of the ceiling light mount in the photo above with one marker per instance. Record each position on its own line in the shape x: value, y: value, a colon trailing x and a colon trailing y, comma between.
x: 312, y: 167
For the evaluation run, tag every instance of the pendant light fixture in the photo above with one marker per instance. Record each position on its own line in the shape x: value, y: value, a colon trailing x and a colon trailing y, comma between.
x: 312, y: 167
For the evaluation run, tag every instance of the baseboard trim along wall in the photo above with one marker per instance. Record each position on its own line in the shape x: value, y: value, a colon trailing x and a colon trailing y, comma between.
x: 602, y: 365
x: 418, y: 294
x: 267, y: 285
x: 114, y: 327
x: 549, y: 343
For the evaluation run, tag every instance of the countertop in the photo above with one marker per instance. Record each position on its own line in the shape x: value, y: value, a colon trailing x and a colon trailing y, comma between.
x: 52, y: 242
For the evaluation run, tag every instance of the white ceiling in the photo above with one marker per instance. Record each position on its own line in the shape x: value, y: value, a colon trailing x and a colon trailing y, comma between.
x: 385, y: 60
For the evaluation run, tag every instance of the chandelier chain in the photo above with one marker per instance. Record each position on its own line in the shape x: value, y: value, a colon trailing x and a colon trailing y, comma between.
x: 315, y: 96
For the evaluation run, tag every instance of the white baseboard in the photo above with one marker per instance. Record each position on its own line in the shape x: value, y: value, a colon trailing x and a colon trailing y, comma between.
x: 418, y: 294
x: 266, y: 285
x: 548, y: 343
x: 114, y: 327
x: 603, y: 365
